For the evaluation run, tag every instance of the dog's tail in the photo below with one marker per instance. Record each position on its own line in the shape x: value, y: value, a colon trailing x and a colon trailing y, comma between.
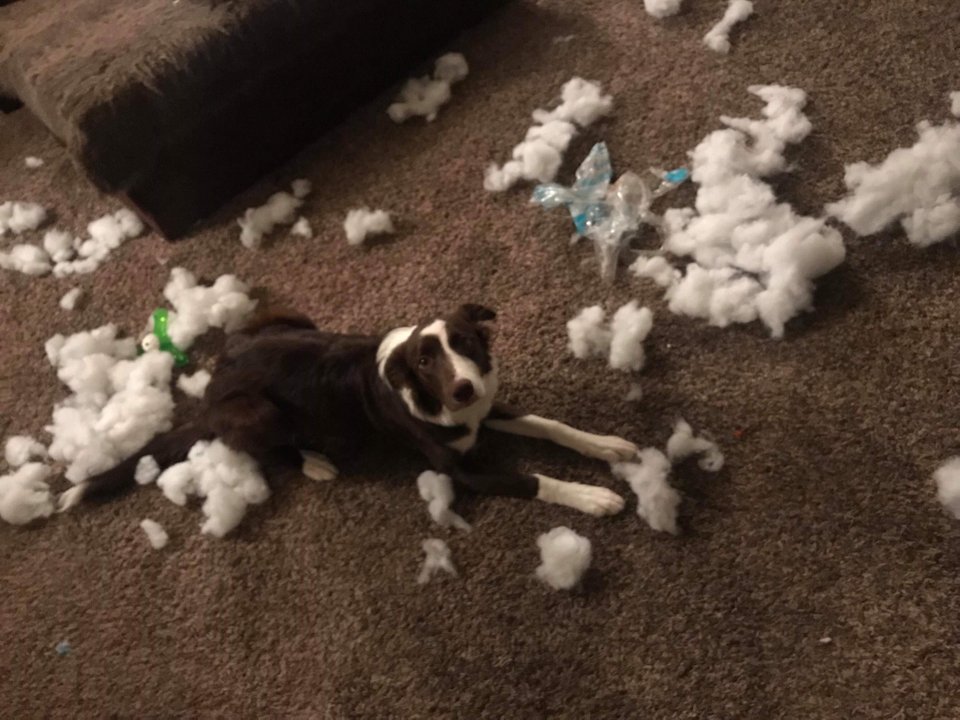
x: 167, y: 449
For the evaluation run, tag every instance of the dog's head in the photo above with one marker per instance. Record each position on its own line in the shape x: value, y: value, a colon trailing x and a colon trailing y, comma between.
x: 443, y: 363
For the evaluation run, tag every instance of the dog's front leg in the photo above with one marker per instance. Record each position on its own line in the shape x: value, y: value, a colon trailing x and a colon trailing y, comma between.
x: 590, y: 499
x: 609, y: 448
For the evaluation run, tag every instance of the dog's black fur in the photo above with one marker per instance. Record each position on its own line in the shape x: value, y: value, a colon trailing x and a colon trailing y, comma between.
x: 282, y: 386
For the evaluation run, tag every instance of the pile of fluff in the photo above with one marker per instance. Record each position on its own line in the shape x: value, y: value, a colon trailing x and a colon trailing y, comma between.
x: 918, y: 185
x: 120, y: 400
x: 748, y: 257
x: 621, y: 342
x: 540, y: 154
x: 424, y: 96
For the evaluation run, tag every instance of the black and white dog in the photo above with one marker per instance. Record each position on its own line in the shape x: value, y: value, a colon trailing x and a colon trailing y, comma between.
x: 282, y: 386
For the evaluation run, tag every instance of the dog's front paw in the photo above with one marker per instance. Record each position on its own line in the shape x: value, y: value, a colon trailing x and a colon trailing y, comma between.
x: 599, y: 501
x: 611, y: 448
x: 590, y: 499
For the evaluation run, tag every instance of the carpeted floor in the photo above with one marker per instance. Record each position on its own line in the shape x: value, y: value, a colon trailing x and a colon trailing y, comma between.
x: 822, y: 525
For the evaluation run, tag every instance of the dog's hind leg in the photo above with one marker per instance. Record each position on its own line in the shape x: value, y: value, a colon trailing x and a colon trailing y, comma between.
x: 609, y: 448
x: 317, y: 466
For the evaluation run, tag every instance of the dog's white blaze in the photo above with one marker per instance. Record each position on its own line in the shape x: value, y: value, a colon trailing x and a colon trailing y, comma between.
x: 391, y: 341
x: 463, y: 367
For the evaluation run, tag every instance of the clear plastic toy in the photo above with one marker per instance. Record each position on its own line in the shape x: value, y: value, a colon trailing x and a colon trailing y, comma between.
x: 608, y: 214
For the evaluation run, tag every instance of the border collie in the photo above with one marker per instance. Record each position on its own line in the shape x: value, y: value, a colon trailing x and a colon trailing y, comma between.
x: 283, y: 387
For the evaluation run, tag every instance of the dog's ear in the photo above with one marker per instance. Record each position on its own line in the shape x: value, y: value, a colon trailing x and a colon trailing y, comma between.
x: 396, y: 371
x: 476, y: 313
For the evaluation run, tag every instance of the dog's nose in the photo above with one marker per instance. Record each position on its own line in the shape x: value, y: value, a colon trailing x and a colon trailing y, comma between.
x: 463, y: 391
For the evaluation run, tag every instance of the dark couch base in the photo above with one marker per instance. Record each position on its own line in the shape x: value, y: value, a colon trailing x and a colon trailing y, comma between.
x: 178, y: 138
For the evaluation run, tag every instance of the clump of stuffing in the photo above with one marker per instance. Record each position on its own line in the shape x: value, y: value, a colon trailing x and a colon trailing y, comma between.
x: 630, y: 326
x: 106, y: 233
x: 363, y: 222
x: 21, y: 449
x: 301, y: 187
x: 424, y: 96
x: 119, y: 400
x: 280, y: 209
x: 301, y: 228
x: 197, y: 308
x: 437, y: 558
x: 147, y: 470
x: 194, y: 385
x: 656, y: 268
x: 683, y: 443
x: 229, y: 480
x: 622, y: 341
x: 540, y: 154
x: 918, y: 185
x: 437, y: 490
x: 25, y: 495
x: 71, y: 298
x: 657, y: 501
x: 33, y: 162
x: 564, y: 558
x: 60, y: 245
x: 27, y: 259
x: 588, y: 333
x: 955, y: 104
x: 750, y: 257
x: 947, y: 478
x: 662, y: 8
x: 718, y: 37
x: 155, y: 533
x: 19, y: 217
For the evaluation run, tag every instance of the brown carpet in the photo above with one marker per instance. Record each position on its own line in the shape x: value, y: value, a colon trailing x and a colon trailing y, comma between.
x: 823, y: 523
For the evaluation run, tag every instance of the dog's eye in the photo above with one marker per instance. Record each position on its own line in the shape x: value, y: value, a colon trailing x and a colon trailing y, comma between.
x: 424, y: 361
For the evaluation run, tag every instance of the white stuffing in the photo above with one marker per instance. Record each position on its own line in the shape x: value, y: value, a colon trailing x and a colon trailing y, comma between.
x: 19, y: 217
x: 630, y: 326
x: 424, y: 96
x: 106, y: 233
x: 25, y: 495
x: 718, y: 37
x: 301, y: 228
x: 657, y: 501
x: 564, y: 558
x: 33, y: 162
x: 750, y: 257
x: 947, y: 478
x: 229, y: 480
x: 155, y: 533
x: 588, y: 333
x: 683, y: 443
x: 540, y: 154
x: 918, y: 185
x: 21, y: 449
x: 280, y: 209
x: 656, y: 268
x: 70, y: 298
x: 194, y: 385
x: 437, y: 490
x: 437, y: 558
x: 363, y: 222
x: 197, y: 308
x: 955, y: 103
x: 147, y: 470
x: 120, y: 401
x: 60, y: 245
x: 301, y: 187
x: 662, y: 8
x: 622, y: 341
x: 26, y: 259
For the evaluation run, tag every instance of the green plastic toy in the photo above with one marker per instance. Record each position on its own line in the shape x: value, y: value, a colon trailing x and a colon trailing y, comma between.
x: 159, y: 338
